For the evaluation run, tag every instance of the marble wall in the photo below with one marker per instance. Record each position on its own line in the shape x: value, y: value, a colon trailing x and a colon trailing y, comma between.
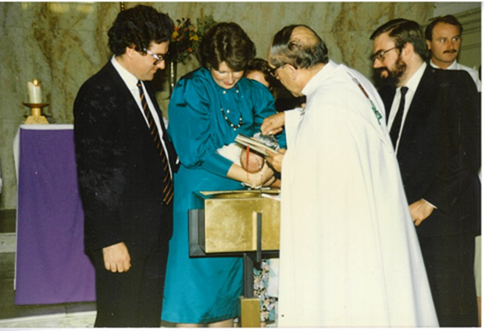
x: 62, y: 44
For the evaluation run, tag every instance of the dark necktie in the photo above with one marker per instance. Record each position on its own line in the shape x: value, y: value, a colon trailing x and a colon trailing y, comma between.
x: 397, y: 122
x: 168, y: 189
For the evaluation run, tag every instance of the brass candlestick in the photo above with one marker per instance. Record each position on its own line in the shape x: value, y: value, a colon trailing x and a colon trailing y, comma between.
x: 36, y: 111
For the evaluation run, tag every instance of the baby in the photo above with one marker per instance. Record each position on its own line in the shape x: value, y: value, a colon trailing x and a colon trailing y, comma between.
x: 250, y: 161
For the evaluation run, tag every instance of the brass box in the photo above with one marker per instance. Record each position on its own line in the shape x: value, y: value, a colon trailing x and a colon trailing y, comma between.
x: 229, y: 224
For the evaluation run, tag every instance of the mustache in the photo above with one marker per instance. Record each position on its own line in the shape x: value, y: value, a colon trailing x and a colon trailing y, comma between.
x: 450, y: 51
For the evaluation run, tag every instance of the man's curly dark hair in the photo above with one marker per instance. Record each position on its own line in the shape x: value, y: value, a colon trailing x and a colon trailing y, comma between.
x: 137, y: 28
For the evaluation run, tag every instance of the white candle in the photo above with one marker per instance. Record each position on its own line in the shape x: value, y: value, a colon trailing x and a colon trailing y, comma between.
x: 35, y: 93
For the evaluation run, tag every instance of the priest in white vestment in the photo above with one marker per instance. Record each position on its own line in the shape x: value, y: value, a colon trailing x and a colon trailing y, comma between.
x: 349, y: 255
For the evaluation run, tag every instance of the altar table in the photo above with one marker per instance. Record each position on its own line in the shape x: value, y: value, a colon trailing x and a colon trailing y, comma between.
x: 51, y: 266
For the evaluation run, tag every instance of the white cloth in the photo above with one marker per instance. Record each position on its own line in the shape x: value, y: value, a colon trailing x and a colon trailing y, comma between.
x: 457, y: 66
x: 231, y: 152
x: 349, y: 255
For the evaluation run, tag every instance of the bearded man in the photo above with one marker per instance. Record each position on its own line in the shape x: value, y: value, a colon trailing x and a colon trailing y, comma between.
x: 433, y: 122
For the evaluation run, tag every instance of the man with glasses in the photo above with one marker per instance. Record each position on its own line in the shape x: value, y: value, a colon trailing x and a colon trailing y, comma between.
x: 349, y: 255
x: 125, y: 167
x: 433, y: 122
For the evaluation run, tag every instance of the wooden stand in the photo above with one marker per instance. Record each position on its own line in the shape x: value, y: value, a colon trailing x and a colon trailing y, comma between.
x: 249, y: 312
x: 36, y: 111
x: 201, y: 239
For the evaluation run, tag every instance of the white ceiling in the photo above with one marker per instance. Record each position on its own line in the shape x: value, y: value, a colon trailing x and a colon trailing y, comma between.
x: 444, y: 8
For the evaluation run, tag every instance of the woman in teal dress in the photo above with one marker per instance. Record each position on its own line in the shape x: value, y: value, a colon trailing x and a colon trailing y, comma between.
x: 207, y: 110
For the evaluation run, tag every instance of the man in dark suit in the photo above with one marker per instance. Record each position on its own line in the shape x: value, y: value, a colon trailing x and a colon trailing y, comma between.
x: 434, y: 124
x: 125, y: 164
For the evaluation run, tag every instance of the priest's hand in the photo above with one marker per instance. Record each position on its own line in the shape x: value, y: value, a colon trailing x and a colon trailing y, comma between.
x: 270, y: 182
x: 273, y: 124
x: 275, y: 159
x: 420, y: 210
x: 276, y: 184
x: 116, y: 258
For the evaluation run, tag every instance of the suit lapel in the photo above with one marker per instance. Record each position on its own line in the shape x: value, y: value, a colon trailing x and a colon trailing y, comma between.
x: 133, y: 112
x: 123, y: 94
x: 418, y: 111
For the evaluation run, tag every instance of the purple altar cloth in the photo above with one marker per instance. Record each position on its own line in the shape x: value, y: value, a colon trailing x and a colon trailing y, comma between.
x: 51, y: 264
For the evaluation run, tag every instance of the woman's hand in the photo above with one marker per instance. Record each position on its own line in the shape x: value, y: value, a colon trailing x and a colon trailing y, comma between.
x: 273, y: 124
x: 275, y: 159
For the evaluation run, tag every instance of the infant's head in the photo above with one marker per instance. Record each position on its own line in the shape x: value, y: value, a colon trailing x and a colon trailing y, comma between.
x: 251, y: 162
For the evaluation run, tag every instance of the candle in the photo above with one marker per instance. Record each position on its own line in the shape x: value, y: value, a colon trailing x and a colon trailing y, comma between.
x: 35, y: 94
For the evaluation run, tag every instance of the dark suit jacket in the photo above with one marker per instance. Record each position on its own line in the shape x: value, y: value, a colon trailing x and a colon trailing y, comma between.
x: 119, y: 170
x: 439, y: 151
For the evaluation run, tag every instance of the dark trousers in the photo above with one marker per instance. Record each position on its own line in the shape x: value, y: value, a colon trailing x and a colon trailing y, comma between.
x: 449, y: 261
x: 133, y: 298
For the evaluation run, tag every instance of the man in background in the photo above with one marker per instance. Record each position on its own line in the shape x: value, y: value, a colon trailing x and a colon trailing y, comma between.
x: 125, y: 164
x: 431, y: 118
x: 444, y: 38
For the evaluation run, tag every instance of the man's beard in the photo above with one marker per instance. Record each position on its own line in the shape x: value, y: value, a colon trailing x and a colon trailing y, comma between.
x: 393, y: 77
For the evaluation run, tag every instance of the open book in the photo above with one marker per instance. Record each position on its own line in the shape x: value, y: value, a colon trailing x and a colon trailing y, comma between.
x: 254, y: 144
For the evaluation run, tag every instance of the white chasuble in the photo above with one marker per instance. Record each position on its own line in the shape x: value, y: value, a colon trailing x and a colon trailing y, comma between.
x: 349, y: 253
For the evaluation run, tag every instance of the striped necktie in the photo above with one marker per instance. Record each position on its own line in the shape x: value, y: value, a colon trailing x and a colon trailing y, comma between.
x: 168, y: 189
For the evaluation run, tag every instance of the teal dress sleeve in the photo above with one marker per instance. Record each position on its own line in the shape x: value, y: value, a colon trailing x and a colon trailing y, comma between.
x: 197, y: 126
x: 190, y: 117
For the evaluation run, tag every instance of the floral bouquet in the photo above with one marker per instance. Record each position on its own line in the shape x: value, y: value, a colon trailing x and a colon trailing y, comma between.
x: 186, y: 38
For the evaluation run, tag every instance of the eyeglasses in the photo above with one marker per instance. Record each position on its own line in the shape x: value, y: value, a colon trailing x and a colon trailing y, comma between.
x: 157, y: 57
x: 380, y: 56
x: 273, y: 71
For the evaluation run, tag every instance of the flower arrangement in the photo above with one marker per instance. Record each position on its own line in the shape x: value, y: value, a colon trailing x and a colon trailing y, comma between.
x: 186, y: 38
